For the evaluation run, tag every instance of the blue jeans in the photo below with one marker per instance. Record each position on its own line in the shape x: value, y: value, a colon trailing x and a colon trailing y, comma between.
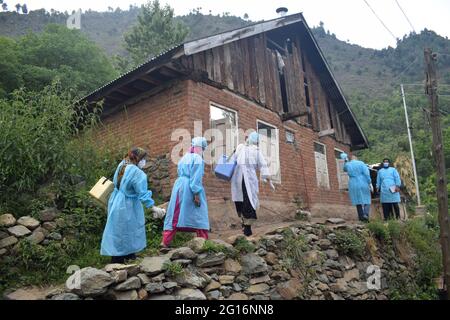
x: 363, y: 211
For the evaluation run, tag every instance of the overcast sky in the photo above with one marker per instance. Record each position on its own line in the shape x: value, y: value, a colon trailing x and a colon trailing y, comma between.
x: 349, y: 19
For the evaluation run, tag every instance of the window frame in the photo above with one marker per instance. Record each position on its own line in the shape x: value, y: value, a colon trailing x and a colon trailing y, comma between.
x: 341, y: 188
x: 278, y: 180
x: 326, y: 162
x: 228, y: 109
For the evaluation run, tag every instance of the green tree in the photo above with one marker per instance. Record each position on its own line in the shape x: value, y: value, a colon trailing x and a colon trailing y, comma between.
x: 10, y: 75
x: 155, y: 31
x: 66, y: 54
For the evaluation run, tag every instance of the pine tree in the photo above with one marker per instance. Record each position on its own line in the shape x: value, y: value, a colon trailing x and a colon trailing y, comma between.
x: 155, y: 32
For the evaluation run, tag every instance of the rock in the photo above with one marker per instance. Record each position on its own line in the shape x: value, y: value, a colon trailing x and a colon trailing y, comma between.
x: 323, y: 287
x: 48, y: 214
x: 130, y: 284
x: 192, y: 278
x: 142, y: 294
x: 323, y: 278
x: 183, y: 253
x: 19, y: 231
x: 232, y: 266
x: 89, y: 282
x: 183, y: 262
x: 271, y: 258
x: 226, y: 291
x: 336, y: 221
x: 238, y: 296
x: 7, y: 242
x: 213, y: 285
x: 351, y: 275
x: 223, y: 243
x: 170, y: 285
x: 7, y: 220
x: 50, y: 226
x: 237, y: 287
x: 290, y: 290
x: 213, y: 295
x: 337, y: 273
x: 3, y: 235
x: 311, y: 237
x: 347, y: 262
x: 331, y: 264
x: 126, y: 295
x: 259, y: 297
x: 36, y: 237
x: 55, y: 236
x: 155, y: 288
x: 252, y: 264
x: 28, y: 222
x: 339, y: 286
x: 196, y: 244
x: 226, y: 279
x: 275, y: 296
x: 258, y: 288
x: 154, y: 265
x: 120, y: 276
x: 190, y: 294
x: 65, y: 296
x: 332, y: 254
x: 241, y: 279
x: 144, y: 278
x: 161, y: 297
x: 261, y: 252
x: 324, y: 243
x: 159, y: 278
x: 263, y: 279
x: 312, y: 257
x: 210, y: 259
x: 333, y: 296
x: 280, y: 275
x: 273, y: 237
x: 234, y: 239
x: 3, y: 252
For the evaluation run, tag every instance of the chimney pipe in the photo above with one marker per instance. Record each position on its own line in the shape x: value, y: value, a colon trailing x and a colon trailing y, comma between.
x: 282, y: 11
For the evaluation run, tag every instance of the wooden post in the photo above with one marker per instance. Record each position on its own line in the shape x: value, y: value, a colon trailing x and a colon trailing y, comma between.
x: 438, y: 151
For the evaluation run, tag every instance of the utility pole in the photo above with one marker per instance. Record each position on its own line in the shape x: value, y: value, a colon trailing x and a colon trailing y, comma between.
x: 413, y: 159
x: 438, y: 152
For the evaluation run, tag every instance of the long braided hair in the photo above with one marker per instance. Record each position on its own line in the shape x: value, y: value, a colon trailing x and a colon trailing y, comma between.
x: 134, y: 156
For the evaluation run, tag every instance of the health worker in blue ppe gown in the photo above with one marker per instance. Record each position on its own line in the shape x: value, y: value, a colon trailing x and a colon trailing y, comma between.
x: 188, y: 209
x: 388, y: 184
x: 124, y: 233
x: 359, y: 186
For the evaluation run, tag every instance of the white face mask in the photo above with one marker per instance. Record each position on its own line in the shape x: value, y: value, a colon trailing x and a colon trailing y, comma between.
x: 142, y: 164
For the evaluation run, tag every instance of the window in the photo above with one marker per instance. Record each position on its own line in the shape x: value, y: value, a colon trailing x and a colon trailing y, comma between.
x: 341, y: 174
x: 224, y: 137
x: 321, y: 166
x: 290, y: 137
x: 269, y: 146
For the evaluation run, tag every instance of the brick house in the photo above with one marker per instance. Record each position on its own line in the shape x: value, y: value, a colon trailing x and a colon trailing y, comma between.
x: 269, y: 75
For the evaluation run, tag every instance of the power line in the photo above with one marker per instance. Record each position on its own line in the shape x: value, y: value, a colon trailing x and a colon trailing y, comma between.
x: 380, y: 20
x: 401, y: 9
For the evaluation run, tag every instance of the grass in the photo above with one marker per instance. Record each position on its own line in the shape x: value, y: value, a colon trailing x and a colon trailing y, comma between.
x: 350, y: 243
x: 173, y: 269
x: 245, y: 246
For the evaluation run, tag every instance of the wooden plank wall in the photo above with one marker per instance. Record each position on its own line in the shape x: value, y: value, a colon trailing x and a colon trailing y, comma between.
x: 249, y: 67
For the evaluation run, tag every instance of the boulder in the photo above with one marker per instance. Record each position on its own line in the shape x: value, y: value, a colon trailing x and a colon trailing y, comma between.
x: 89, y: 282
x: 280, y: 275
x: 154, y: 287
x: 28, y: 222
x: 339, y: 286
x: 196, y: 244
x: 48, y: 214
x: 154, y: 265
x: 130, y: 284
x: 258, y: 288
x: 65, y: 296
x: 263, y: 279
x: 226, y: 279
x: 55, y: 236
x: 126, y: 295
x: 213, y: 285
x: 332, y: 254
x: 192, y: 278
x: 50, y: 226
x: 253, y: 264
x: 324, y: 243
x: 290, y: 290
x: 3, y: 252
x: 142, y: 294
x: 189, y: 294
x: 210, y: 259
x: 238, y: 296
x: 19, y: 231
x: 271, y: 258
x: 170, y: 285
x: 335, y: 221
x: 7, y: 220
x: 312, y: 257
x: 144, y: 278
x: 3, y: 235
x: 183, y: 253
x: 232, y: 267
x: 213, y: 295
x: 7, y: 242
x: 351, y: 275
x: 119, y: 276
x: 37, y: 236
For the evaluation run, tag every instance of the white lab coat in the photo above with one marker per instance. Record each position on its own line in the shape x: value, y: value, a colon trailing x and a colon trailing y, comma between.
x: 249, y: 159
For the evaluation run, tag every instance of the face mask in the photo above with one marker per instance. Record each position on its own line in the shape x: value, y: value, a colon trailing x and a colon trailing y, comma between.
x: 142, y: 163
x: 386, y: 165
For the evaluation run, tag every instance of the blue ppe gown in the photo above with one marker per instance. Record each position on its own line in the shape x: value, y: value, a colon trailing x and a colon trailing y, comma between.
x: 387, y: 178
x: 189, y: 182
x: 359, y: 181
x: 124, y: 233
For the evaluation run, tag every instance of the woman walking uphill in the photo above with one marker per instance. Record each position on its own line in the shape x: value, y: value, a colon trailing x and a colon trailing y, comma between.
x: 388, y: 184
x: 124, y: 234
x: 188, y: 209
x: 359, y: 186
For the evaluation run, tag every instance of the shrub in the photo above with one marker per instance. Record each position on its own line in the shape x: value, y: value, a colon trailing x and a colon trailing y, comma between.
x: 350, y: 243
x: 395, y: 229
x: 378, y: 229
x: 243, y: 245
x: 212, y: 247
x: 173, y: 269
